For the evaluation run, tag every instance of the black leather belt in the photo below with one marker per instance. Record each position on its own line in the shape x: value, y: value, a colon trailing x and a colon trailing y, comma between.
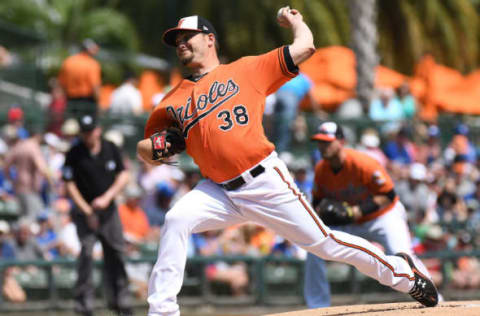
x: 239, y: 181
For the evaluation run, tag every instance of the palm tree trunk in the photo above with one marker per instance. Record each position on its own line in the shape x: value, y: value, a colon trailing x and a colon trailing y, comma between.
x: 363, y: 23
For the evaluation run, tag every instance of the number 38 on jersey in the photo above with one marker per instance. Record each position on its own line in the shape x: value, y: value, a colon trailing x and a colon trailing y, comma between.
x: 238, y: 115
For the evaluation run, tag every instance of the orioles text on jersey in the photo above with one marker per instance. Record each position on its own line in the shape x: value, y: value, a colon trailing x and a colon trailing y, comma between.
x: 218, y: 93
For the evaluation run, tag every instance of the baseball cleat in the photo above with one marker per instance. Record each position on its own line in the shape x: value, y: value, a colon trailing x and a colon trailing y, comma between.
x: 424, y: 291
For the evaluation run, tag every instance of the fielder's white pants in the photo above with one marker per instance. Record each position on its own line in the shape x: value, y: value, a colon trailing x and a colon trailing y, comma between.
x: 273, y: 200
x: 391, y: 231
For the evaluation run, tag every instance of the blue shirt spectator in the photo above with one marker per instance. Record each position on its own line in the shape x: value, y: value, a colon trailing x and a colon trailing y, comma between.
x: 288, y: 98
x: 386, y: 107
x: 299, y: 86
x: 7, y: 252
x: 400, y: 149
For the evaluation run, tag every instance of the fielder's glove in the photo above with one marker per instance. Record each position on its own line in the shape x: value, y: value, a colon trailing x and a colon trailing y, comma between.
x: 171, y: 135
x: 335, y: 213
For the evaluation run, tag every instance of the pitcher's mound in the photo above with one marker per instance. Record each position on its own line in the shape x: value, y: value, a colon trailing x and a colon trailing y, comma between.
x: 460, y: 308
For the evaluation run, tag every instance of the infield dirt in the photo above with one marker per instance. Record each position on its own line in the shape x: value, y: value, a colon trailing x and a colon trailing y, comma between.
x: 457, y: 308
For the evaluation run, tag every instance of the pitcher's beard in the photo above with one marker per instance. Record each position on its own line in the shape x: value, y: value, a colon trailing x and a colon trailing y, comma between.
x: 187, y: 60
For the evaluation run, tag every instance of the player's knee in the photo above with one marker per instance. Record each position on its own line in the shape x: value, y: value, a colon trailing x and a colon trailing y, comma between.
x: 176, y: 220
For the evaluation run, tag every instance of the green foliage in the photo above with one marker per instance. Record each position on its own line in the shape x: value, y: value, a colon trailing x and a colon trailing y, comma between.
x: 407, y: 29
x: 448, y: 29
x: 65, y: 23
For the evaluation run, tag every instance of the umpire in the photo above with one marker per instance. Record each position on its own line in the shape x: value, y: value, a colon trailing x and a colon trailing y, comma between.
x: 94, y: 174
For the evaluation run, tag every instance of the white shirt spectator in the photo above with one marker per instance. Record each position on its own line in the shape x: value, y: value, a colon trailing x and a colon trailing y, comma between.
x: 126, y: 99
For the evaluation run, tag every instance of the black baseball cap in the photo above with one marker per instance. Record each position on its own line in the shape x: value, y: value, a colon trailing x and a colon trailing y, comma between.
x: 328, y: 131
x: 189, y: 23
x: 87, y: 123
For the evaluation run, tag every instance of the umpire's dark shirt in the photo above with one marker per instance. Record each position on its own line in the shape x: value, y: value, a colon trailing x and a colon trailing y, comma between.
x: 93, y: 174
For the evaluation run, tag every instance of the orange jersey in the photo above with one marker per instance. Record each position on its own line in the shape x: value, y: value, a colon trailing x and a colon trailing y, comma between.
x: 221, y: 114
x: 79, y: 74
x: 360, y: 177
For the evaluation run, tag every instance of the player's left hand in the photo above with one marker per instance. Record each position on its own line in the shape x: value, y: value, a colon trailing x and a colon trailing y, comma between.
x: 161, y: 146
x: 335, y: 213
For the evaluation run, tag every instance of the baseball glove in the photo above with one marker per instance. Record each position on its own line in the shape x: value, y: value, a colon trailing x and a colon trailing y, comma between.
x: 167, y: 143
x: 335, y: 213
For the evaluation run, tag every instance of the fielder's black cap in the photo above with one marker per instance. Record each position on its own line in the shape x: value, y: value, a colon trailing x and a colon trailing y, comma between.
x: 87, y: 123
x: 329, y: 131
x: 189, y: 23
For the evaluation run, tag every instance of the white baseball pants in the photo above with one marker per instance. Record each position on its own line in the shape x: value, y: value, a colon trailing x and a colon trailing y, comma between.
x: 272, y: 200
x: 391, y: 231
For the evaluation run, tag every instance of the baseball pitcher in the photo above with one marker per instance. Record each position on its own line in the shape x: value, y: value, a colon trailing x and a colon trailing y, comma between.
x: 219, y: 110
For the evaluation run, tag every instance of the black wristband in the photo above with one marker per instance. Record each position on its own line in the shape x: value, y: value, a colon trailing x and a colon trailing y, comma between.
x: 368, y: 207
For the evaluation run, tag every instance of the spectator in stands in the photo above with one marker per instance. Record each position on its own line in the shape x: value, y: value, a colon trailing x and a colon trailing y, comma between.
x: 126, y: 100
x: 260, y: 239
x: 460, y: 152
x: 400, y: 149
x: 217, y: 243
x: 414, y: 192
x: 286, y: 249
x: 68, y: 242
x: 46, y: 237
x: 162, y: 201
x: 70, y: 130
x: 94, y: 174
x: 407, y: 100
x: 8, y: 200
x: 386, y: 107
x: 56, y: 108
x: 138, y: 272
x: 369, y: 144
x: 15, y: 118
x: 303, y: 176
x: 450, y: 206
x: 134, y: 220
x: 430, y: 238
x: 350, y: 109
x: 80, y: 78
x: 11, y: 290
x: 288, y: 98
x: 26, y: 160
x: 466, y: 274
x: 6, y: 249
x: 149, y: 179
x: 25, y: 246
x: 54, y: 151
x: 430, y: 150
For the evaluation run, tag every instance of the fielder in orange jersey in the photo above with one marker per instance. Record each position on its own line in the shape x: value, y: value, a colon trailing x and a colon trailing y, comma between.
x: 219, y: 109
x: 364, y: 186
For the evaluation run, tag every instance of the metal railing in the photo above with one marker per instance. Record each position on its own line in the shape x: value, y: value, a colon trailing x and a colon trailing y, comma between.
x: 269, y: 284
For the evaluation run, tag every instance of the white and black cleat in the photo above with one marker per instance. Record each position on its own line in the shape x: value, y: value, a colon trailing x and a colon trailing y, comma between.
x: 424, y: 291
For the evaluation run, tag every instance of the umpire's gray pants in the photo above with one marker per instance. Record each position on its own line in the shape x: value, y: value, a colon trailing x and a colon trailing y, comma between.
x: 115, y: 279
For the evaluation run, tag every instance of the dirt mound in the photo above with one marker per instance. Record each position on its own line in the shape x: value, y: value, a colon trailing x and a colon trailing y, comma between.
x: 463, y: 308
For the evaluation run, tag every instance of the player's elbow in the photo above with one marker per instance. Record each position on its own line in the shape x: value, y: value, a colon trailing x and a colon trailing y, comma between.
x: 301, y: 53
x: 308, y: 50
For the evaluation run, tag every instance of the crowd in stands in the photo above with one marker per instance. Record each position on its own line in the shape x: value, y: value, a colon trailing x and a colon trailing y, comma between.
x: 439, y: 185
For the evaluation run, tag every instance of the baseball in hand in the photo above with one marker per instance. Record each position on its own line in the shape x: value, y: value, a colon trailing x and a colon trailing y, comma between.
x: 282, y: 21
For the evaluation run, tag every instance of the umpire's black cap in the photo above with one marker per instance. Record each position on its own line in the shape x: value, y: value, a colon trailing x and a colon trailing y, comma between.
x: 87, y: 123
x: 189, y: 23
